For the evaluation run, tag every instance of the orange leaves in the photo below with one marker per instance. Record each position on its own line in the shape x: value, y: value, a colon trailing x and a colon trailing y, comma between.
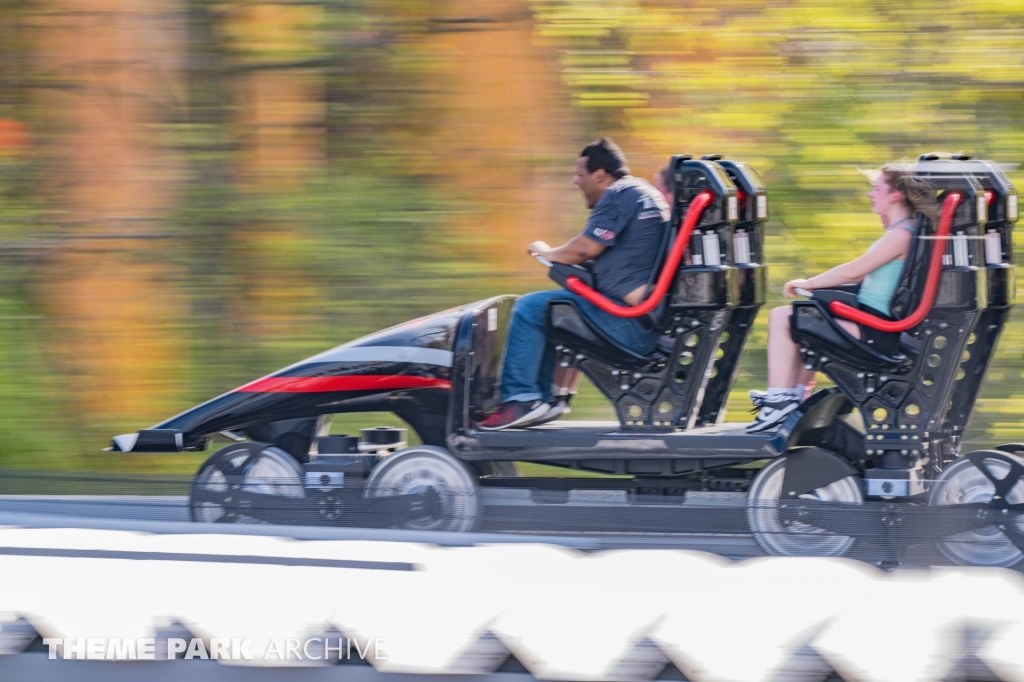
x: 13, y: 137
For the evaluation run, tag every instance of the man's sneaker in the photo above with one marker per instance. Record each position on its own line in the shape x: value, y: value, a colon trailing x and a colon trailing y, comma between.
x: 557, y: 410
x: 511, y: 415
x: 772, y: 414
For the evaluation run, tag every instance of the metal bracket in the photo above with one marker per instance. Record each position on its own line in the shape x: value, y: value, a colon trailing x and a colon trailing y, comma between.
x: 808, y: 469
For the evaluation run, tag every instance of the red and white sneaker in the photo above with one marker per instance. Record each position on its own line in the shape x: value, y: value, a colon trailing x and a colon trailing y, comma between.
x: 511, y: 415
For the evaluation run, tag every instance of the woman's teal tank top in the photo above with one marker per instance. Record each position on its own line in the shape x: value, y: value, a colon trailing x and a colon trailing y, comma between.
x: 879, y: 285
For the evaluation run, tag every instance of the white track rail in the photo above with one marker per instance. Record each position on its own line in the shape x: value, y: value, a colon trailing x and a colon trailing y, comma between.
x: 561, y: 613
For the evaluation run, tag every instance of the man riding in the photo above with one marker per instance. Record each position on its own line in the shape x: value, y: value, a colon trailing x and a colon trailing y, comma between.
x: 623, y: 238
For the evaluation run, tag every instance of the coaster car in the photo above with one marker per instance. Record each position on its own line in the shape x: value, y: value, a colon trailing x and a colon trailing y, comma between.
x: 889, y: 433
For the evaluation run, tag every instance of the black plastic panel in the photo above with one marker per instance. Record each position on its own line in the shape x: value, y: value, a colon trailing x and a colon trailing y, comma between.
x: 706, y: 287
x: 570, y: 441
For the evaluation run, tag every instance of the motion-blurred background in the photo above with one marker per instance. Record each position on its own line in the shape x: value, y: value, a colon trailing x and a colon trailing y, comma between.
x: 196, y: 192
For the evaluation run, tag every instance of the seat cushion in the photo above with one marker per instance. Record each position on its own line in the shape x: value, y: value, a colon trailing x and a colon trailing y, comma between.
x: 566, y: 325
x: 813, y: 327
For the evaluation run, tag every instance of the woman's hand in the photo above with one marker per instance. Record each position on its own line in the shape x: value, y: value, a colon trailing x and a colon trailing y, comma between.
x: 790, y: 287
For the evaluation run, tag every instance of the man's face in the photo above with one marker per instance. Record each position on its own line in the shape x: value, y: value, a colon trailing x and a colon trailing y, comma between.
x: 591, y: 185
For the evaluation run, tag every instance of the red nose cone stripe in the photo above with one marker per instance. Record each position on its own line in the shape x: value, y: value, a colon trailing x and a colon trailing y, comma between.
x: 346, y: 383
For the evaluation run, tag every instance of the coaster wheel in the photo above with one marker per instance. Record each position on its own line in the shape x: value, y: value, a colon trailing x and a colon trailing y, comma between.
x: 233, y: 485
x: 976, y: 478
x: 775, y: 535
x: 433, y: 471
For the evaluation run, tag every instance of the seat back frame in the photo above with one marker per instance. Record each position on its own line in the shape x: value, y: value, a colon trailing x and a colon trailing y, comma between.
x: 666, y: 392
x: 904, y: 399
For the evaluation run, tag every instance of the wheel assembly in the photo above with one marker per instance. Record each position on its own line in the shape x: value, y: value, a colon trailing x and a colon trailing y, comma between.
x: 977, y: 478
x: 439, y: 477
x: 776, y: 523
x: 247, y: 483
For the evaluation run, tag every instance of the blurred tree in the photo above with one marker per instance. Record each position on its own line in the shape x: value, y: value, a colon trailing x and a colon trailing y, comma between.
x: 111, y: 295
x: 807, y: 91
x: 194, y: 192
x: 207, y: 214
x: 506, y: 137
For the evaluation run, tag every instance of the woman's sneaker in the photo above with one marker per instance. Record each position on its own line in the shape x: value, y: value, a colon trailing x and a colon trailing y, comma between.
x: 772, y: 414
x: 757, y: 397
x: 513, y: 414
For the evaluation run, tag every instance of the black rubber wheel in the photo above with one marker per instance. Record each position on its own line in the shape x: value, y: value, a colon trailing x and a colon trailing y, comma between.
x: 792, y: 538
x: 963, y: 482
x: 451, y: 486
x: 228, y: 476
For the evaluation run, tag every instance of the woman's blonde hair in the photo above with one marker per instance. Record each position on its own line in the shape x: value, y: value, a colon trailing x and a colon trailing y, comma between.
x: 918, y: 193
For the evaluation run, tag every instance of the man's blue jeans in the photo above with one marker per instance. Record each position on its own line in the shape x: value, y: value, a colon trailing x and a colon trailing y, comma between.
x: 530, y: 358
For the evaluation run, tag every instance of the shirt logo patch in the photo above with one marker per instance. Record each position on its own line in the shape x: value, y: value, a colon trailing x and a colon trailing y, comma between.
x: 603, y: 234
x: 650, y: 214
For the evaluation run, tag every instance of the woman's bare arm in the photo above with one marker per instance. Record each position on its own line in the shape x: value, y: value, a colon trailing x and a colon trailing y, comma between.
x: 894, y: 245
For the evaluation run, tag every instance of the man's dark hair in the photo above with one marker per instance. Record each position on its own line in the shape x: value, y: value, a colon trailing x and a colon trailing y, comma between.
x: 605, y: 155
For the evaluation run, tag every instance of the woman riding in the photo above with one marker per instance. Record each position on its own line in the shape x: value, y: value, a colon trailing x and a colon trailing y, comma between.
x: 897, y: 197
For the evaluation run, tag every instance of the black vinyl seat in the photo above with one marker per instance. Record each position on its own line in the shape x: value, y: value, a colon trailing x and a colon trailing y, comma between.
x: 566, y: 325
x: 821, y: 335
x: 813, y: 324
x: 815, y: 328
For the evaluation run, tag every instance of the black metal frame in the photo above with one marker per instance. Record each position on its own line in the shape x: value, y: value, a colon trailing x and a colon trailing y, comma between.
x: 708, y: 314
x: 916, y: 403
x: 751, y: 275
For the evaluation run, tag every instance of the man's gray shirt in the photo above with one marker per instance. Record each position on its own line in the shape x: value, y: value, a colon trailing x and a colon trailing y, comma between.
x: 630, y: 218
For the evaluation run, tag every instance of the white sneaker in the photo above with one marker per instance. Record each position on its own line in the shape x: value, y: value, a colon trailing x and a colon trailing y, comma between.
x: 772, y: 414
x: 557, y: 410
x: 757, y: 397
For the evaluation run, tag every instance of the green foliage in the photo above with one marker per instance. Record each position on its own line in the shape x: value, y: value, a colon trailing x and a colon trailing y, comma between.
x: 805, y: 90
x: 808, y: 92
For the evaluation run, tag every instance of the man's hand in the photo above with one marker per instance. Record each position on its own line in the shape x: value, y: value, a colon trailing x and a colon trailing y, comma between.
x: 538, y: 248
x: 577, y: 250
x: 789, y: 288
